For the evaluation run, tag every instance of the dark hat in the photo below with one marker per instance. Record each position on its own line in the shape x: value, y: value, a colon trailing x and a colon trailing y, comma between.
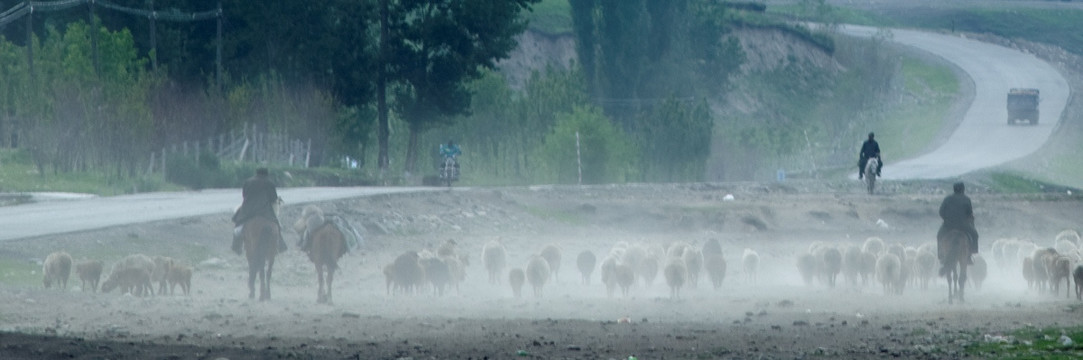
x: 871, y: 135
x: 959, y: 187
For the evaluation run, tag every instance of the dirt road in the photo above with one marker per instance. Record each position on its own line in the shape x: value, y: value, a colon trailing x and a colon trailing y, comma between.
x: 773, y: 314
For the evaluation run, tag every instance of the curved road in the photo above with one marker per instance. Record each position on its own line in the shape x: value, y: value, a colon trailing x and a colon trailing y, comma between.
x: 984, y: 138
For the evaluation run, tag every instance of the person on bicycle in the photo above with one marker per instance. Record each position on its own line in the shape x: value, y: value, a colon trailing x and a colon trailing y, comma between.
x: 870, y: 149
x: 450, y: 151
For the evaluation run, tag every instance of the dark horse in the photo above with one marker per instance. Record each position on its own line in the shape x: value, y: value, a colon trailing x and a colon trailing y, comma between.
x: 953, y: 249
x: 328, y: 245
x: 260, y: 247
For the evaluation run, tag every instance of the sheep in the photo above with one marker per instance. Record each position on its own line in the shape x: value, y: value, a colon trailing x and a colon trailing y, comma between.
x: 898, y: 250
x: 1043, y: 263
x: 57, y: 268
x: 161, y: 269
x: 831, y: 260
x: 868, y: 266
x: 750, y: 263
x: 851, y: 263
x: 693, y: 263
x: 808, y: 266
x: 1065, y: 246
x: 1060, y: 268
x: 714, y: 264
x: 675, y: 274
x: 648, y: 269
x: 979, y: 270
x: 873, y: 245
x: 1069, y: 235
x: 134, y: 280
x: 1028, y: 272
x: 516, y: 277
x: 609, y: 274
x: 551, y: 253
x: 437, y: 274
x: 585, y: 262
x: 888, y: 272
x: 90, y: 272
x: 447, y: 249
x: 626, y: 277
x: 676, y: 249
x: 131, y: 274
x: 711, y: 247
x: 537, y: 273
x: 405, y: 273
x: 493, y: 256
x: 1077, y: 275
x: 179, y: 274
x: 927, y: 266
x: 457, y: 268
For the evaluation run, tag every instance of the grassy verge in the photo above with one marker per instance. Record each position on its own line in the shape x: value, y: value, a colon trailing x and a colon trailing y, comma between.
x: 910, y: 129
x: 18, y: 174
x: 20, y: 273
x: 551, y: 17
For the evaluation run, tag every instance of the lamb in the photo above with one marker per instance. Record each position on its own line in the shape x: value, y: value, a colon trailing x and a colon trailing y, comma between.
x: 980, y: 269
x: 714, y: 264
x: 179, y: 274
x: 537, y: 273
x: 57, y: 268
x: 516, y: 277
x: 90, y: 272
x: 750, y: 263
x: 889, y: 272
x: 551, y: 253
x: 585, y: 262
x: 493, y: 256
x: 693, y: 263
x: 675, y: 274
x: 808, y: 266
x: 1077, y: 275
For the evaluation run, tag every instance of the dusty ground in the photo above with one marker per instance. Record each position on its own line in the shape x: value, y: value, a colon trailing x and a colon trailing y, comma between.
x: 774, y: 316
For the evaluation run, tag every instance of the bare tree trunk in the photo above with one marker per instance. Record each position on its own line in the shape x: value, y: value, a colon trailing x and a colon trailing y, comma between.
x: 411, y: 152
x: 384, y: 131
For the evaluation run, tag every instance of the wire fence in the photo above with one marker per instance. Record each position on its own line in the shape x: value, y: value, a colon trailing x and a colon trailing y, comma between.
x: 25, y: 8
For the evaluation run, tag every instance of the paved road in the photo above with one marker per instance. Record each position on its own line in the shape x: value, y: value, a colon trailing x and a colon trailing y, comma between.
x: 80, y: 214
x: 984, y: 138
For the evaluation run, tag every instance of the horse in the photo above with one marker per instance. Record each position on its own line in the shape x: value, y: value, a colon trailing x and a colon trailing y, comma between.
x: 953, y: 249
x: 260, y: 247
x: 870, y: 173
x: 328, y: 245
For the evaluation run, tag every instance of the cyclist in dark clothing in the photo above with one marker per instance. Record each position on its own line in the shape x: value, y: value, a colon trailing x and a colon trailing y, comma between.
x: 259, y: 196
x: 870, y: 149
x: 958, y: 214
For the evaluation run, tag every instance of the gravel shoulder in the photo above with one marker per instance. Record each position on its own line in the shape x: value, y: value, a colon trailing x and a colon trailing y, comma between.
x: 774, y: 314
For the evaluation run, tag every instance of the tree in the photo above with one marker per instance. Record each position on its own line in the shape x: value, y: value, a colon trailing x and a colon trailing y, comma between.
x: 435, y: 47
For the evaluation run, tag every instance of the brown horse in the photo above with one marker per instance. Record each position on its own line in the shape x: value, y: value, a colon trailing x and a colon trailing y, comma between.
x: 260, y: 247
x: 328, y: 245
x: 953, y: 249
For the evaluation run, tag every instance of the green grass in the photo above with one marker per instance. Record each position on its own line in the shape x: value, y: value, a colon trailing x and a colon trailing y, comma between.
x: 551, y: 17
x: 18, y: 174
x: 20, y: 273
x: 557, y: 215
x: 913, y: 128
x: 1058, y: 27
x: 1032, y: 343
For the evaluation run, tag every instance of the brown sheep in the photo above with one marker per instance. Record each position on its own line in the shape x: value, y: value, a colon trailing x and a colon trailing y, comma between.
x: 160, y: 273
x: 179, y: 274
x: 1060, y: 268
x: 1028, y: 271
x: 90, y: 272
x: 405, y: 274
x: 714, y: 264
x: 551, y: 253
x: 831, y: 264
x: 516, y: 277
x: 494, y: 257
x: 1077, y: 275
x: 57, y: 268
x: 437, y: 273
x: 134, y: 280
x: 585, y: 262
x: 537, y: 273
x: 676, y: 275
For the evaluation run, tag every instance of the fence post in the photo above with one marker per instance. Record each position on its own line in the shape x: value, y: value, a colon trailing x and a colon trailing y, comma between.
x: 308, y: 153
x: 578, y: 160
x: 163, y: 164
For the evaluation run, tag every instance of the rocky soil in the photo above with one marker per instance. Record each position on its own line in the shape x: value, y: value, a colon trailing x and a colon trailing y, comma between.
x: 773, y: 314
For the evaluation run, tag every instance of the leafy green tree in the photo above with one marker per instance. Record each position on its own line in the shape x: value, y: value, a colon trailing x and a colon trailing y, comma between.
x: 585, y: 136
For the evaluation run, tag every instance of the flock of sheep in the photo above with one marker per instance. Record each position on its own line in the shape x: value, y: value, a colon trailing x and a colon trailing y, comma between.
x: 133, y: 274
x: 624, y: 266
x: 1044, y: 268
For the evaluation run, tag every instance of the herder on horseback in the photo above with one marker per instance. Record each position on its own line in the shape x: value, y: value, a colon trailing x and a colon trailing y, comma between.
x: 958, y: 214
x: 260, y: 196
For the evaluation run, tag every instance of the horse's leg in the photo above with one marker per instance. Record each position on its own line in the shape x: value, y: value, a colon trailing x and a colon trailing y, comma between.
x: 330, y: 280
x: 962, y: 280
x: 265, y: 294
x: 319, y: 280
x: 252, y: 272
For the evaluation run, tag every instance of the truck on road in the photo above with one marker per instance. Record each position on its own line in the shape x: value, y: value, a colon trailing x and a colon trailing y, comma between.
x: 1023, y: 105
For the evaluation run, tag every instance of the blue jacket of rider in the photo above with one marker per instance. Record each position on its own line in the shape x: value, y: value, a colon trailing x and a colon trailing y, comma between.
x: 450, y: 150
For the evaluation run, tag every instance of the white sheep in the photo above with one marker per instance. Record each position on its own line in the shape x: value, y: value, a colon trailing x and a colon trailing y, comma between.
x: 927, y: 267
x: 831, y: 264
x: 808, y: 266
x: 851, y: 263
x: 874, y: 245
x: 56, y: 268
x: 585, y: 262
x: 977, y: 272
x: 609, y: 274
x: 693, y: 264
x: 889, y: 273
x: 868, y: 266
x: 494, y: 257
x: 516, y: 278
x: 714, y: 264
x: 750, y: 262
x: 552, y: 254
x: 675, y: 274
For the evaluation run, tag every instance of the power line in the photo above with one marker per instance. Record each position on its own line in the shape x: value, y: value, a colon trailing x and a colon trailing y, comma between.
x: 25, y: 8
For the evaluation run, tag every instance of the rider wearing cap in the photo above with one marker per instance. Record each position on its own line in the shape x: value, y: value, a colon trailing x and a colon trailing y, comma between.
x: 870, y: 149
